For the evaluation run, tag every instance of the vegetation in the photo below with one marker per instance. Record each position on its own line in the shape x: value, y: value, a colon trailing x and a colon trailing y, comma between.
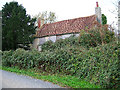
x: 92, y: 38
x: 46, y: 17
x: 104, y: 19
x: 0, y: 58
x: 62, y: 80
x: 86, y: 58
x: 17, y: 26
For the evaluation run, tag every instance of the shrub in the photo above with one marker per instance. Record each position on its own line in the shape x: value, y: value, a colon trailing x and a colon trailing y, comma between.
x: 95, y: 37
x: 61, y: 43
x: 98, y: 65
x: 92, y: 38
x: 6, y: 58
x: 47, y: 45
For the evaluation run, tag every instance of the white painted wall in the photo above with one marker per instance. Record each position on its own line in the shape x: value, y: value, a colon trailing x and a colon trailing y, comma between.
x: 58, y: 37
x: 63, y: 36
x: 35, y: 43
x: 40, y: 41
x: 77, y: 35
x: 52, y: 38
x: 45, y: 39
x: 39, y: 48
x: 66, y: 36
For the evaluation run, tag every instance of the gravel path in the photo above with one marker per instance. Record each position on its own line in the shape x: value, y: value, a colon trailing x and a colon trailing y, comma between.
x: 13, y: 80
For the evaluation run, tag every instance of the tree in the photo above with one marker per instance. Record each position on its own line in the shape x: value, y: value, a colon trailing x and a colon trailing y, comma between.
x: 51, y: 17
x: 17, y: 26
x: 116, y: 12
x: 48, y: 17
x: 104, y: 19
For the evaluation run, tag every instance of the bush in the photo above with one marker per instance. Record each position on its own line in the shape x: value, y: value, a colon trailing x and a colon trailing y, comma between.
x: 47, y: 45
x: 6, y: 58
x: 98, y: 65
x: 61, y: 43
x: 92, y: 38
x: 95, y: 37
x: 20, y: 57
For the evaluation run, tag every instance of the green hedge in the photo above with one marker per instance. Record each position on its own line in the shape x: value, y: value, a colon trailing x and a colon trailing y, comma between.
x: 71, y: 41
x: 101, y: 65
x: 98, y: 65
x: 91, y: 38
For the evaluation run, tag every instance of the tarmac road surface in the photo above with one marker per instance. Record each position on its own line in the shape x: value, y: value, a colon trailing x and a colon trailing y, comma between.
x: 13, y: 80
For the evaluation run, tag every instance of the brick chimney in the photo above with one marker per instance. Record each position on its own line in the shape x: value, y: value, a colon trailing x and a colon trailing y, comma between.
x: 98, y: 13
x: 97, y: 4
x: 40, y: 22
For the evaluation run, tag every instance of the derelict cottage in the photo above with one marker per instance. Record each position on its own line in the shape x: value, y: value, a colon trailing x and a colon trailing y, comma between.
x: 64, y: 29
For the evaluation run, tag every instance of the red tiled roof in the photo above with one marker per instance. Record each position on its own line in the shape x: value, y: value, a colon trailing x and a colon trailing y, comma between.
x: 66, y: 26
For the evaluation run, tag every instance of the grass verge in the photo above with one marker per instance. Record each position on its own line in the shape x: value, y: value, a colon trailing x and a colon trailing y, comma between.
x: 61, y: 80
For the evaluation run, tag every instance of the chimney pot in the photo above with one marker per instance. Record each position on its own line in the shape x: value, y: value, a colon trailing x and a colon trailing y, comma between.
x: 97, y: 4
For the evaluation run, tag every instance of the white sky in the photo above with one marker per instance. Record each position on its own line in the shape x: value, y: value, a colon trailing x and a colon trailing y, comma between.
x: 67, y: 9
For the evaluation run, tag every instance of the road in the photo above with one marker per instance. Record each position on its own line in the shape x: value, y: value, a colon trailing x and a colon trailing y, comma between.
x: 13, y: 80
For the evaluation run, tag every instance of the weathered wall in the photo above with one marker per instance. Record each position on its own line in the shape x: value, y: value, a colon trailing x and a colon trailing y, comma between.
x: 42, y: 40
x: 63, y: 36
x: 52, y: 38
x: 77, y: 35
x: 35, y: 43
x: 45, y: 39
x: 39, y: 41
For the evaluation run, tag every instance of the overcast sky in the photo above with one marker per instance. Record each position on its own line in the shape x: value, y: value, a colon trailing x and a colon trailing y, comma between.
x: 67, y: 9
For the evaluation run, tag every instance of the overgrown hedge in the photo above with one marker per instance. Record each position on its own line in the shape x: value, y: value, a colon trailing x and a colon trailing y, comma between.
x: 85, y: 57
x: 91, y: 38
x: 101, y: 65
x: 98, y: 65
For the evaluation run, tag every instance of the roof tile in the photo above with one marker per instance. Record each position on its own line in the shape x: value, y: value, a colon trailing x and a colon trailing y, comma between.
x: 66, y: 26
